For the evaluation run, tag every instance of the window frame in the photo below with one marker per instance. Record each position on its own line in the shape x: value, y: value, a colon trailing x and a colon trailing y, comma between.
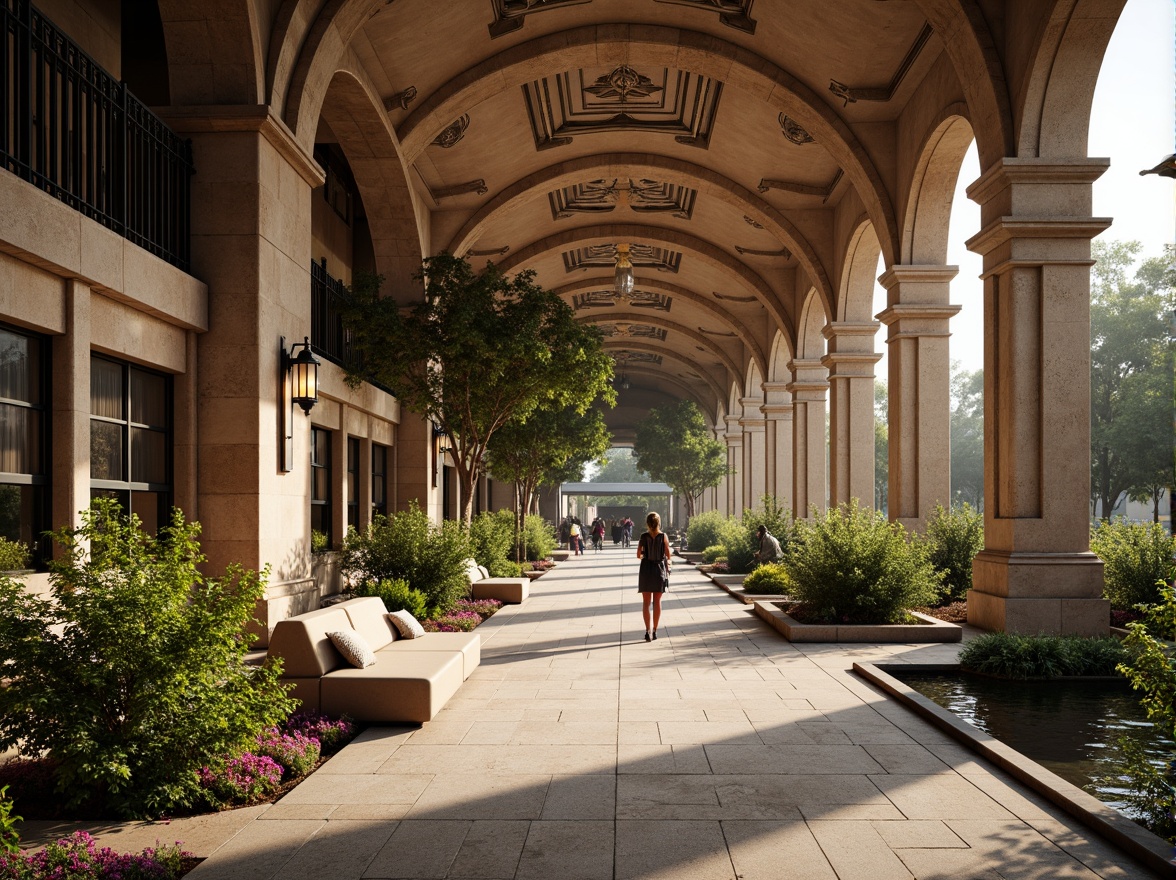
x: 41, y: 483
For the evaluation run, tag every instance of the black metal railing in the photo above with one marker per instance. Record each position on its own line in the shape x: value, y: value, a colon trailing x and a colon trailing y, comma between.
x: 327, y: 336
x: 72, y: 130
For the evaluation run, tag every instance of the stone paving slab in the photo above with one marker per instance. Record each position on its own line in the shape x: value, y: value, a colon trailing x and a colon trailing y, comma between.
x: 577, y: 751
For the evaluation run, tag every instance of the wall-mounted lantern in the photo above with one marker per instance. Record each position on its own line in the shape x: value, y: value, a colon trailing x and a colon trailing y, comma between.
x: 298, y: 381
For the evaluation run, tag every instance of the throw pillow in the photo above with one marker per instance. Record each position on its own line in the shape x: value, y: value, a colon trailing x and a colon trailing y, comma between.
x: 353, y: 647
x: 406, y: 625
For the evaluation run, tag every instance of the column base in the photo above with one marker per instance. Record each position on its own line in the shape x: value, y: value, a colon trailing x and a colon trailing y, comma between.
x: 1031, y: 593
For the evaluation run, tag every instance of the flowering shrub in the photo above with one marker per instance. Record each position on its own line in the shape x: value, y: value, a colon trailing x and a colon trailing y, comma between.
x: 720, y: 567
x: 332, y: 733
x: 431, y: 626
x: 541, y: 565
x: 482, y: 607
x: 294, y: 752
x: 78, y: 857
x: 461, y: 621
x: 241, y: 779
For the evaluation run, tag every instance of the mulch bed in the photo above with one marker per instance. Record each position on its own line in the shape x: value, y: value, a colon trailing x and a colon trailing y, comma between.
x: 956, y: 612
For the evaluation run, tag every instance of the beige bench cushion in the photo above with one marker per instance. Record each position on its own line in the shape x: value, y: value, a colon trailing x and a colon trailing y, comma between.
x: 368, y: 617
x: 510, y: 590
x: 402, y: 686
x: 303, y: 645
x: 469, y: 645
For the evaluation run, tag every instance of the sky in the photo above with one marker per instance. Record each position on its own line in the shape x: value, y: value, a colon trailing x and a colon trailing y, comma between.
x: 1133, y: 123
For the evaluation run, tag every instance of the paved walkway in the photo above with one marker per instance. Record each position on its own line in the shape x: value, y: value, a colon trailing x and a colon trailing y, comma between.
x: 718, y: 752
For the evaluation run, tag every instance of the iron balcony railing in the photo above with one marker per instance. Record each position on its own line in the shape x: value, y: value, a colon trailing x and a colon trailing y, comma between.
x: 327, y: 336
x: 72, y: 130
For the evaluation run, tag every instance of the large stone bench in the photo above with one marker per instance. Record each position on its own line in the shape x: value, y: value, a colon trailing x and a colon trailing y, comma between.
x: 509, y: 590
x: 411, y: 680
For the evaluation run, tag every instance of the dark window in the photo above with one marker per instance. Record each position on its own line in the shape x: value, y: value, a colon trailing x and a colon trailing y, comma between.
x: 130, y: 439
x: 379, y: 480
x: 24, y: 435
x: 320, y: 482
x: 353, y: 482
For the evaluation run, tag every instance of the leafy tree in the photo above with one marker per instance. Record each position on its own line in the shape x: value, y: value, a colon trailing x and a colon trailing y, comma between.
x: 967, y: 436
x: 552, y: 445
x: 131, y: 676
x: 480, y: 351
x: 1130, y: 372
x: 674, y: 446
x: 620, y: 467
x: 881, y: 445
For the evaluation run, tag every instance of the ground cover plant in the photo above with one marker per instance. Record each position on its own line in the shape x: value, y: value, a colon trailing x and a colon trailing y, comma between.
x: 78, y: 857
x: 407, y: 546
x: 466, y: 615
x: 1136, y: 558
x: 770, y: 579
x: 954, y: 537
x: 126, y: 736
x: 1010, y: 655
x: 853, y: 566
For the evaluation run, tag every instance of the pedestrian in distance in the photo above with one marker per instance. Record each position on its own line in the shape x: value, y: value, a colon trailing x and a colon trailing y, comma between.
x: 653, y: 577
x: 768, y: 549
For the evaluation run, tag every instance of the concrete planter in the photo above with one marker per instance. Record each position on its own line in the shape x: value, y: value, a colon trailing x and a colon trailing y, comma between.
x: 692, y: 558
x: 560, y: 555
x: 932, y: 630
x: 534, y: 575
x: 727, y: 580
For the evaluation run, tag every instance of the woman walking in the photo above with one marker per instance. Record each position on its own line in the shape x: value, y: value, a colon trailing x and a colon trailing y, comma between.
x: 654, y: 575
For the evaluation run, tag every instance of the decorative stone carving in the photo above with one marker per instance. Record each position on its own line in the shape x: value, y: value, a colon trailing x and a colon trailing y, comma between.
x: 853, y: 94
x: 460, y: 189
x: 581, y: 101
x: 604, y: 196
x: 510, y: 14
x: 712, y: 332
x: 400, y: 99
x: 733, y: 13
x: 492, y: 252
x: 794, y: 132
x: 801, y: 189
x: 752, y: 252
x: 453, y: 132
x: 637, y: 357
x: 635, y: 331
x: 640, y: 299
x: 751, y: 222
x: 641, y: 255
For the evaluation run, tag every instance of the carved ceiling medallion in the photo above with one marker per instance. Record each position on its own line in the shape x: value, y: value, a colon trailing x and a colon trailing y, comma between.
x: 510, y: 14
x: 591, y: 101
x: 794, y: 132
x: 635, y: 331
x: 733, y: 13
x: 453, y: 132
x: 640, y: 299
x: 603, y: 196
x: 643, y: 256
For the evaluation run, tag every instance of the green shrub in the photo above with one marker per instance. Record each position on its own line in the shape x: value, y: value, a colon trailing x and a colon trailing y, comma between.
x: 407, y: 546
x: 1136, y: 556
x: 131, y: 675
x: 741, y: 537
x: 492, y: 537
x: 771, y: 578
x: 853, y: 566
x: 504, y: 568
x: 537, y: 540
x: 319, y: 543
x: 954, y: 537
x: 736, y: 547
x: 713, y: 552
x: 9, y: 838
x: 704, y: 529
x: 397, y: 595
x: 14, y: 555
x: 1019, y: 656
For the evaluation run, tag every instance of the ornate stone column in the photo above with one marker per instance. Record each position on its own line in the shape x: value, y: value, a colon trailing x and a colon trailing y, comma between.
x: 850, y: 360
x: 808, y: 388
x: 1036, y: 572
x: 734, y: 438
x: 777, y: 410
x: 918, y: 385
x: 754, y: 451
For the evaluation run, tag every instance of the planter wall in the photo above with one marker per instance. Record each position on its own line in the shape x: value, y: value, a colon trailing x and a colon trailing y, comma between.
x: 902, y: 633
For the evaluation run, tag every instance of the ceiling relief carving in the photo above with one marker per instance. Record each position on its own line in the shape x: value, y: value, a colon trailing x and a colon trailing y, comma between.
x: 459, y: 189
x: 634, y: 331
x: 453, y: 132
x: 400, y: 100
x: 637, y: 357
x: 642, y: 256
x: 595, y: 101
x: 509, y: 15
x: 640, y: 299
x: 733, y: 13
x: 853, y: 94
x: 751, y: 222
x: 712, y: 332
x: 726, y: 297
x: 794, y: 132
x: 802, y: 189
x: 603, y: 196
x: 489, y: 252
x: 752, y: 252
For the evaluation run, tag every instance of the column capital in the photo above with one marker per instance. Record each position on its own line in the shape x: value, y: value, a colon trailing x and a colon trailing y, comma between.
x: 811, y: 380
x: 917, y: 274
x: 777, y: 412
x: 851, y: 365
x: 911, y: 320
x: 850, y: 329
x: 751, y: 423
x: 1003, y: 176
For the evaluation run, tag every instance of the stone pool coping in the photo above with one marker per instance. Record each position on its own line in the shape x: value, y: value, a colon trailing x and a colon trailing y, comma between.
x: 931, y: 630
x: 1155, y: 852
